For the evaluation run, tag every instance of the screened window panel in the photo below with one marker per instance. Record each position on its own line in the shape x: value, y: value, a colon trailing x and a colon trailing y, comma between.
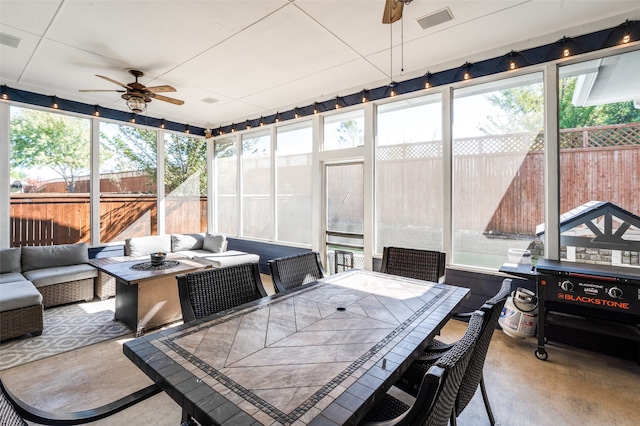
x: 498, y: 170
x: 128, y: 182
x: 599, y: 159
x: 226, y: 191
x: 344, y: 130
x: 409, y: 174
x: 257, y: 200
x: 294, y: 157
x: 185, y: 177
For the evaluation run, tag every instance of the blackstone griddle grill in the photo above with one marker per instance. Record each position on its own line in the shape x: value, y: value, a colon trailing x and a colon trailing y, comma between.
x: 599, y: 299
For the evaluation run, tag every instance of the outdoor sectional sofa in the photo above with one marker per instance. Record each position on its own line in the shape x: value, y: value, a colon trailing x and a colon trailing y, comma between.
x: 205, y: 248
x: 33, y: 278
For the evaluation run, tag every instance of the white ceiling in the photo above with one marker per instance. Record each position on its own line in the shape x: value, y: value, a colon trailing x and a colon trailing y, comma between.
x: 259, y: 57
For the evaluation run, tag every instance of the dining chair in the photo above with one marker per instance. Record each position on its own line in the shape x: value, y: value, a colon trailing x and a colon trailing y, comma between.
x: 428, y: 265
x: 293, y: 271
x: 14, y: 412
x: 214, y: 290
x: 434, y: 402
x: 474, y: 377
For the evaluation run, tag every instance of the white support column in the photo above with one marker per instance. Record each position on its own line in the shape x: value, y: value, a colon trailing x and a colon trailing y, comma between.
x: 551, y: 165
x: 274, y: 177
x: 5, y: 177
x: 160, y: 181
x: 95, y: 182
x: 447, y: 174
x: 211, y: 185
x: 370, y: 143
x: 239, y: 203
x: 318, y: 217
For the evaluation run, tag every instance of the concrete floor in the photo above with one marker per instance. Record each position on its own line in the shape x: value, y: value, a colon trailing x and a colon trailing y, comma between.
x: 573, y: 387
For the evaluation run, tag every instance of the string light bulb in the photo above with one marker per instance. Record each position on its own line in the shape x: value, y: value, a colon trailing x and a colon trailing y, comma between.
x: 295, y: 113
x: 277, y: 117
x: 427, y: 84
x: 364, y: 96
x: 186, y: 130
x: 565, y: 49
x: 233, y: 127
x: 466, y: 75
x: 55, y: 102
x: 220, y: 131
x: 315, y: 108
x: 96, y: 111
x: 261, y: 122
x: 162, y: 123
x: 626, y: 38
x: 393, y: 90
x: 337, y: 102
x: 512, y: 62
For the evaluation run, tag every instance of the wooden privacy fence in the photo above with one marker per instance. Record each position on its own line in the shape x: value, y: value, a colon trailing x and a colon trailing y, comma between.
x: 498, y: 186
x: 46, y: 219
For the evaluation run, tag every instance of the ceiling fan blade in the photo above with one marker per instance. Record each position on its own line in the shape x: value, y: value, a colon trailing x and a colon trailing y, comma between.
x: 166, y: 99
x: 159, y: 89
x: 89, y: 90
x: 392, y: 11
x: 114, y: 81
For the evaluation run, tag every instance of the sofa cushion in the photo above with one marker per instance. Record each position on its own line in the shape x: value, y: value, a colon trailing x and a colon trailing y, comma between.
x: 181, y: 242
x: 39, y: 257
x: 214, y: 243
x: 10, y: 260
x: 61, y: 274
x: 227, y: 258
x: 140, y: 246
x: 11, y: 277
x: 19, y: 294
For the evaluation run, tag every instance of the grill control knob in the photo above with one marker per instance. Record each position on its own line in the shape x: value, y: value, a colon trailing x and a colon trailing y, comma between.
x: 615, y: 293
x: 566, y: 286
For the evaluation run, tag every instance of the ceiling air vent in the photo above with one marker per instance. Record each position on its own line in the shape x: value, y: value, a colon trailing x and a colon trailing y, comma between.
x: 9, y: 40
x: 435, y: 18
x: 209, y: 100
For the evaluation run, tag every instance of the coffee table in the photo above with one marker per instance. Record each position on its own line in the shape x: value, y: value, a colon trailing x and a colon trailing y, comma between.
x: 147, y: 298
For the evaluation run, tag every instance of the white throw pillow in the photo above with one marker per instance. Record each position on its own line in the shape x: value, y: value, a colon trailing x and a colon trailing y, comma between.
x: 214, y: 243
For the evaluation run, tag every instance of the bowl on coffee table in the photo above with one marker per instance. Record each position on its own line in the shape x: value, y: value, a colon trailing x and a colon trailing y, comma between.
x: 157, y: 259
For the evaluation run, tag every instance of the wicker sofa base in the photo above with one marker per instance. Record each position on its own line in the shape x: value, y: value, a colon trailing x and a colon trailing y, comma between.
x: 21, y: 321
x: 105, y: 286
x: 68, y: 292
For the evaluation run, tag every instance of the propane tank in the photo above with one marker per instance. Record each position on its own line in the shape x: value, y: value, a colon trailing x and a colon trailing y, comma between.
x: 519, y: 316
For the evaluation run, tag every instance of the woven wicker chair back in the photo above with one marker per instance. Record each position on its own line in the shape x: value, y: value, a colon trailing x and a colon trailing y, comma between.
x: 293, y: 271
x: 428, y: 265
x: 492, y: 309
x: 210, y: 291
x: 455, y: 362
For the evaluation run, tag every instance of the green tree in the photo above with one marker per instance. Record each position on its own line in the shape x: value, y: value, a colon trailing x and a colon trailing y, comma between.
x: 349, y: 134
x: 135, y: 149
x: 520, y: 104
x: 55, y: 141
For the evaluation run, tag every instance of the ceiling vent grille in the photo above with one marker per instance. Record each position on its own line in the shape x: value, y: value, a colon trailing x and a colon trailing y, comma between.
x: 9, y: 40
x: 436, y: 18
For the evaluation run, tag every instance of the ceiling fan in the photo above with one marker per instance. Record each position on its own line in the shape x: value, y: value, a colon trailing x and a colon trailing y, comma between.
x: 393, y: 10
x: 138, y: 95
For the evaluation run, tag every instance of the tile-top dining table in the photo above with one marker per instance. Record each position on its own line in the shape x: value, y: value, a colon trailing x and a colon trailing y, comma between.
x: 319, y: 355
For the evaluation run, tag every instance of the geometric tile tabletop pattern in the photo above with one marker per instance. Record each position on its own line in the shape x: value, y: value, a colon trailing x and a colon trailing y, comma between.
x: 318, y: 355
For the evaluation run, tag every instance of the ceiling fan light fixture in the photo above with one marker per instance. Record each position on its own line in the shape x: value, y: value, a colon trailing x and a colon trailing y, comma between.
x: 136, y: 104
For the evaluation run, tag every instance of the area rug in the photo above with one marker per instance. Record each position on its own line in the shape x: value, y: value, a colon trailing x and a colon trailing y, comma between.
x: 65, y: 328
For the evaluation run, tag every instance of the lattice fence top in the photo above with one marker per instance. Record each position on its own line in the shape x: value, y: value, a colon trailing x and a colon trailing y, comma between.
x: 600, y: 137
x: 409, y: 151
x: 588, y: 137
